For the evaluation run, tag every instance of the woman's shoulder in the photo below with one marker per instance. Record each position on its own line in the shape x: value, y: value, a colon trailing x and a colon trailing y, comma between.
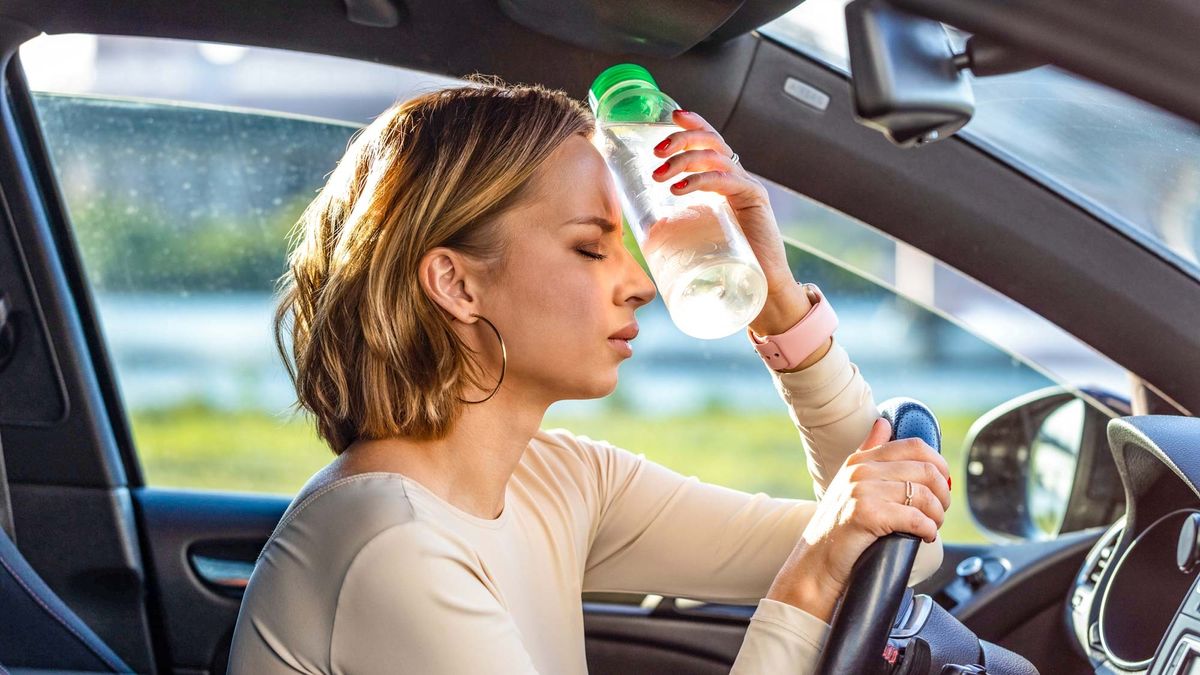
x: 561, y: 440
x: 324, y: 532
x: 563, y: 446
x: 361, y: 528
x: 578, y: 452
x: 340, y: 513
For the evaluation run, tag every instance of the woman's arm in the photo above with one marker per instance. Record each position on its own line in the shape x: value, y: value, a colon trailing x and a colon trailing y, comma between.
x: 662, y: 532
x: 665, y: 533
x: 833, y: 408
x: 829, y: 401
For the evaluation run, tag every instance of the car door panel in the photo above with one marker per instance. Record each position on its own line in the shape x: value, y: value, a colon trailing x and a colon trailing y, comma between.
x: 197, y: 616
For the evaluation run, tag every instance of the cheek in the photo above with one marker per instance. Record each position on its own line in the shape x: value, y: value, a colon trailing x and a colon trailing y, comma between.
x: 569, y: 300
x: 556, y: 274
x: 554, y: 302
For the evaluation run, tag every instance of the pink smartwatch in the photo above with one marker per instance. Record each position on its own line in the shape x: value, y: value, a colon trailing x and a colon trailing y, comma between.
x: 789, y: 349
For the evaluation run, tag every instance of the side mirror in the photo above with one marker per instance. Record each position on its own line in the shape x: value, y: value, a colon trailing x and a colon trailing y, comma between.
x: 1040, y: 464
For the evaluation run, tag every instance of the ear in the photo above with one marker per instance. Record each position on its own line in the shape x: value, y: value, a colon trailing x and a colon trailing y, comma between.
x: 448, y: 279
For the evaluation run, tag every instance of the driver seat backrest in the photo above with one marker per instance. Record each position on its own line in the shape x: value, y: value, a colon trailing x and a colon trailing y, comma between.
x: 38, y: 630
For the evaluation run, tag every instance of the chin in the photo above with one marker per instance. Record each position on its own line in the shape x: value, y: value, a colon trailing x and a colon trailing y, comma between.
x: 604, y: 389
x: 596, y: 388
x: 581, y: 378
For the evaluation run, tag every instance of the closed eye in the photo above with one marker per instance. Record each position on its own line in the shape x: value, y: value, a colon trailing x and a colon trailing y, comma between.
x: 593, y: 256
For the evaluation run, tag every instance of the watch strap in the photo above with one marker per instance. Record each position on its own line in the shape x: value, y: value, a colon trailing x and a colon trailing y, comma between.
x: 791, y: 347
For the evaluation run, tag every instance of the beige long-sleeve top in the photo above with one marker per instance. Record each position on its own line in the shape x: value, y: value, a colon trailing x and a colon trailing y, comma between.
x: 373, y: 573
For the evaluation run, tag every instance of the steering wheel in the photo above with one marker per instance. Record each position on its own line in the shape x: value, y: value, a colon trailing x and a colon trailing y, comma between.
x: 859, y: 632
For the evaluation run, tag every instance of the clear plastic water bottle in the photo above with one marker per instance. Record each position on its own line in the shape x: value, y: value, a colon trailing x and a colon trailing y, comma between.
x: 708, y: 277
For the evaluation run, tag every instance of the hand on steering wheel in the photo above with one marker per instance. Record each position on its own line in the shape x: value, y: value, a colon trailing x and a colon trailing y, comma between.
x: 863, y: 622
x: 865, y: 500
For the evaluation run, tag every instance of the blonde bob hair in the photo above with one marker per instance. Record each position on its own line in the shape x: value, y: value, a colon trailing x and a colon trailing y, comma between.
x: 374, y: 356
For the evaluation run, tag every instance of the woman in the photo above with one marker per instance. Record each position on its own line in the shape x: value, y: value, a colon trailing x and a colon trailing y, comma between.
x: 461, y: 271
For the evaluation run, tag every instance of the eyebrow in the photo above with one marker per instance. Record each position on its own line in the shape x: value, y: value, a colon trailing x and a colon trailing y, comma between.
x: 604, y: 223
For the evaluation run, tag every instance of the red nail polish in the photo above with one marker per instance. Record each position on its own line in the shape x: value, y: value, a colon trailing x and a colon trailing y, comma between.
x: 684, y: 112
x: 662, y: 146
x: 949, y: 483
x: 680, y: 185
x: 662, y: 169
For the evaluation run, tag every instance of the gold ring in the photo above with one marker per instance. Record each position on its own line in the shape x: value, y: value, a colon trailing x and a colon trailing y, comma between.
x: 908, y: 493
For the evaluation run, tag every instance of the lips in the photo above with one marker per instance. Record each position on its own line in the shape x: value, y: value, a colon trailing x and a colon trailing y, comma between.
x: 627, y: 333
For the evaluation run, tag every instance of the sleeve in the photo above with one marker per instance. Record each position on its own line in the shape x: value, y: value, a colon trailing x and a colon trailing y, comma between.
x: 833, y: 407
x: 662, y: 532
x: 781, y: 639
x: 410, y: 598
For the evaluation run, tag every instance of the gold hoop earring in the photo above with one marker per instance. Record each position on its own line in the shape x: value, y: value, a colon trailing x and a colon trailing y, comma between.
x: 503, y: 363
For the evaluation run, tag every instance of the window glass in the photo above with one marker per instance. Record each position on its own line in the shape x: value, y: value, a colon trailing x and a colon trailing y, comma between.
x: 1052, y: 463
x: 1130, y: 163
x: 181, y: 206
x: 181, y: 215
x: 183, y: 166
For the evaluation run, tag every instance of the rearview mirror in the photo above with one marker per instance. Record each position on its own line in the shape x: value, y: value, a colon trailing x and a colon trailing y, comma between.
x: 906, y: 79
x: 903, y: 76
x: 1040, y: 465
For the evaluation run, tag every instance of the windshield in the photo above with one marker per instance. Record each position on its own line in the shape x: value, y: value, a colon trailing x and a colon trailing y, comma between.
x: 1129, y: 163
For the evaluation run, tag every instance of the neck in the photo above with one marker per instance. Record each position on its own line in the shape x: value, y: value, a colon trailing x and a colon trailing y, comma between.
x: 470, y: 467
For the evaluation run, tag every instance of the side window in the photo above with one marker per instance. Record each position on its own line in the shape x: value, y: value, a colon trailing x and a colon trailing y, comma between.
x: 181, y: 190
x: 181, y: 214
x: 183, y: 168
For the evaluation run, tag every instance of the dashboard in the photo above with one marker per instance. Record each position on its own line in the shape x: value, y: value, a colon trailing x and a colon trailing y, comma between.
x: 1135, y: 604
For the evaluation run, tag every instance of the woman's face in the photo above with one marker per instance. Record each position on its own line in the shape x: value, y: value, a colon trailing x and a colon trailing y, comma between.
x: 556, y: 302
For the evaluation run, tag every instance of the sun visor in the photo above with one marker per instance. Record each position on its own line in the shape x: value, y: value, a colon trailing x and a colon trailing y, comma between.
x: 663, y: 28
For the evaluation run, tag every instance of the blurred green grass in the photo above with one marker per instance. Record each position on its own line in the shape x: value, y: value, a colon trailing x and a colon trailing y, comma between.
x: 193, y: 446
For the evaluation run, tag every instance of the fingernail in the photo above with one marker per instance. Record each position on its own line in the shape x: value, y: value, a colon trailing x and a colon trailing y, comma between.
x: 680, y: 185
x: 662, y: 146
x: 662, y: 169
x: 681, y: 111
x: 949, y: 483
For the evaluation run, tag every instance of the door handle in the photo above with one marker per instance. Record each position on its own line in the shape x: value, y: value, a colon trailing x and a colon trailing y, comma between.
x: 228, y: 576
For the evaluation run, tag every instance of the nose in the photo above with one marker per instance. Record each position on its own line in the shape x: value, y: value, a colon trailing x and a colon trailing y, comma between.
x: 638, y: 287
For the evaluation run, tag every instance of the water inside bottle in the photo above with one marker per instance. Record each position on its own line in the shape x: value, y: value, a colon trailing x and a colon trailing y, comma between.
x: 708, y: 292
x: 710, y: 288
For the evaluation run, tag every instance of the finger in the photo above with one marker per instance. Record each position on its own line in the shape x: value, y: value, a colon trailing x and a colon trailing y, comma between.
x: 740, y: 191
x: 693, y: 139
x: 902, y: 449
x: 879, y: 434
x: 691, y: 161
x: 691, y: 120
x: 922, y: 497
x: 921, y: 474
x: 909, y: 520
x: 925, y: 474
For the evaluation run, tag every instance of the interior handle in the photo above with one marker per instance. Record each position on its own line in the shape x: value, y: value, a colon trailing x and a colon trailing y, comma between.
x: 222, y: 573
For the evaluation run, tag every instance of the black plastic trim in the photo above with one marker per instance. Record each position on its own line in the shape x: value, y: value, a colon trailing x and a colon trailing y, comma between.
x: 38, y: 158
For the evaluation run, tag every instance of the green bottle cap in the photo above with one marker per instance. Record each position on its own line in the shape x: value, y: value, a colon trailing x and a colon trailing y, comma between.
x: 641, y: 108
